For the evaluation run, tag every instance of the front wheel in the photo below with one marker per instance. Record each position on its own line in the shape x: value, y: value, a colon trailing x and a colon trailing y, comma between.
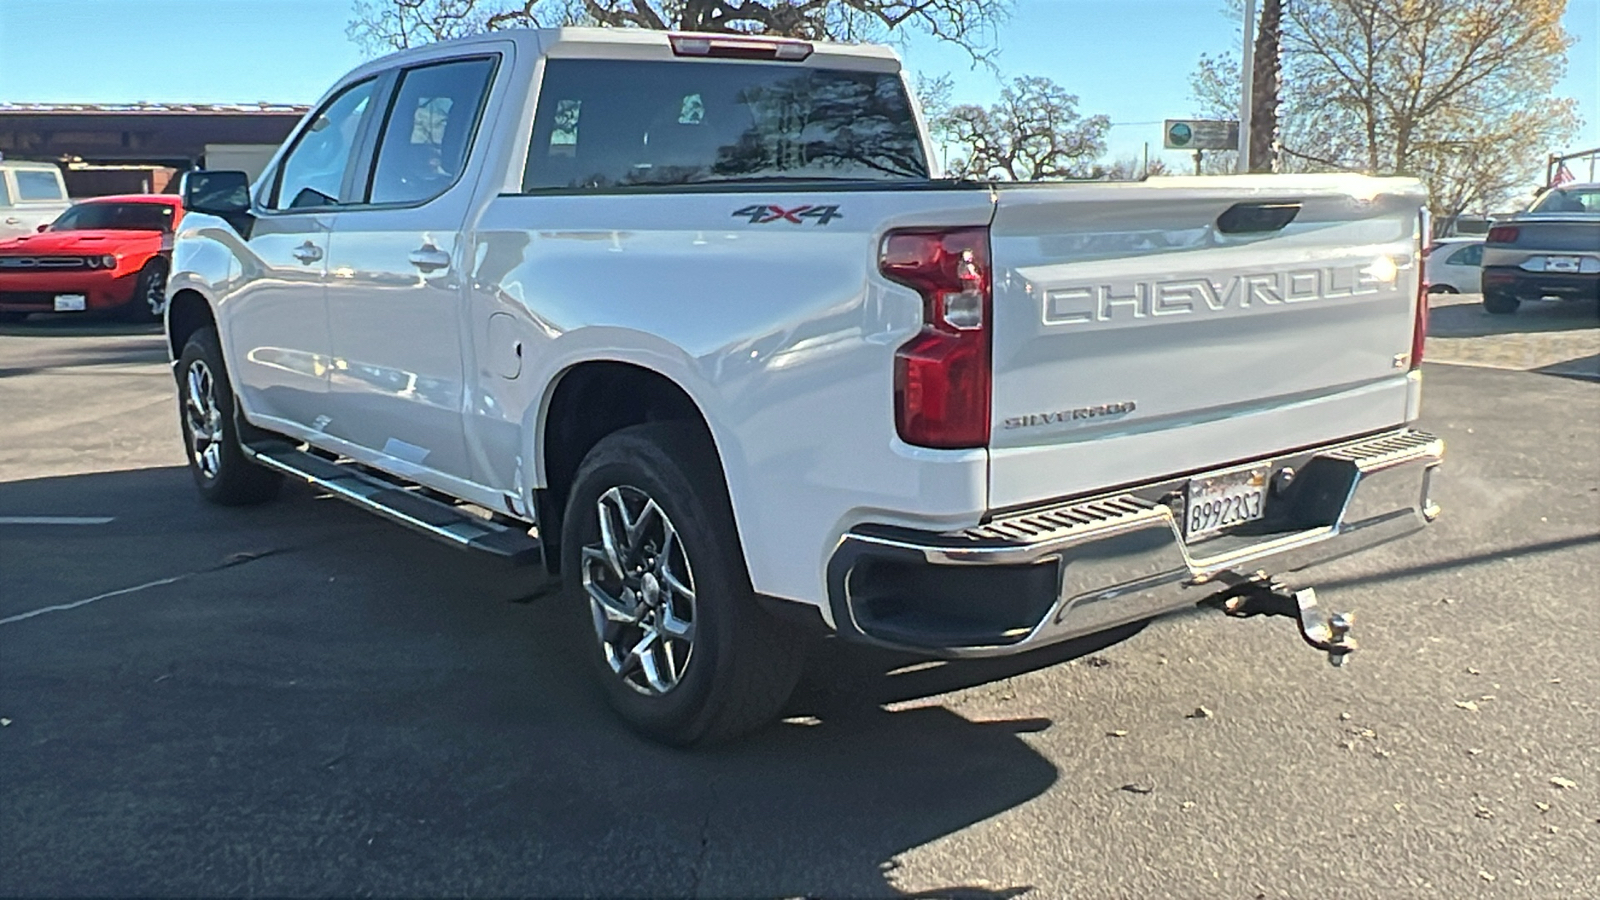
x: 149, y: 293
x: 210, y: 433
x: 682, y: 649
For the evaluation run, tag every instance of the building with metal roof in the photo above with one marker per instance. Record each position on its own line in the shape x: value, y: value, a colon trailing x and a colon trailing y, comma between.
x: 121, y: 147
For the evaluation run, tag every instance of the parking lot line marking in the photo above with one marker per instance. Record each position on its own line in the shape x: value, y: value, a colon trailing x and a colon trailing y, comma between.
x: 56, y: 520
x: 77, y: 603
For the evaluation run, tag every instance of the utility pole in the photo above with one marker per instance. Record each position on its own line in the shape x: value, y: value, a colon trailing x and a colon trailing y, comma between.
x: 1247, y: 71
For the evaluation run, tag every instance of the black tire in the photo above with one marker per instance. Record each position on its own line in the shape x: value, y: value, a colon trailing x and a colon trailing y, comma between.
x: 1500, y: 304
x: 210, y: 431
x: 149, y: 293
x: 742, y: 663
x: 1441, y: 289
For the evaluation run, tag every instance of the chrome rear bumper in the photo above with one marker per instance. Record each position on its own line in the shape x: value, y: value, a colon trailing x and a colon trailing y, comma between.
x: 1046, y: 575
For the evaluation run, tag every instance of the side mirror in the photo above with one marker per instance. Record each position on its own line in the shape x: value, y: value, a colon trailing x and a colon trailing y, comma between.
x: 217, y: 193
x: 43, y: 227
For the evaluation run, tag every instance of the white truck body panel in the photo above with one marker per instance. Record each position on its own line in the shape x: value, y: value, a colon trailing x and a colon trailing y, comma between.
x: 1238, y: 345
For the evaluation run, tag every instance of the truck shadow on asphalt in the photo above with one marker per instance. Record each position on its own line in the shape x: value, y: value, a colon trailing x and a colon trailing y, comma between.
x: 321, y: 702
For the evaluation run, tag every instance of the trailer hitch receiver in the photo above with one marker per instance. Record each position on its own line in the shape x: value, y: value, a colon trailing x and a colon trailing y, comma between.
x: 1328, y: 632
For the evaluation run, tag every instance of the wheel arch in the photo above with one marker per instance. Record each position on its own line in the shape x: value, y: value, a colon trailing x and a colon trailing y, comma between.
x: 188, y: 311
x: 585, y: 402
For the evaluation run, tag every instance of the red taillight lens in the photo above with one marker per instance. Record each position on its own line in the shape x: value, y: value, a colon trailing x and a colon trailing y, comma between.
x: 942, y: 377
x: 1504, y: 234
x: 1419, y: 326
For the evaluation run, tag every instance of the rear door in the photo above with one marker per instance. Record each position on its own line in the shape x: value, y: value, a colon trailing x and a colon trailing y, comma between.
x: 1157, y: 328
x: 395, y: 296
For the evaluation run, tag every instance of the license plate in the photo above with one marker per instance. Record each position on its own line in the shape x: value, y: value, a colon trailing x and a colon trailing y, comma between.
x: 1218, y: 501
x: 1561, y: 264
x: 70, y: 303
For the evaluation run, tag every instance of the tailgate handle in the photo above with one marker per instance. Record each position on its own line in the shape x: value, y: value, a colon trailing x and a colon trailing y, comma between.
x: 1256, y: 218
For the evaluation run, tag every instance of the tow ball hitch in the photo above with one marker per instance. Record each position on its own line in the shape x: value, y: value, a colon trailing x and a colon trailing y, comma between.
x: 1328, y: 632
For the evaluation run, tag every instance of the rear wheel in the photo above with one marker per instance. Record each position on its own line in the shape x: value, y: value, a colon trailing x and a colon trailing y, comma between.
x: 210, y: 432
x: 1499, y: 303
x: 680, y: 646
x: 1441, y: 289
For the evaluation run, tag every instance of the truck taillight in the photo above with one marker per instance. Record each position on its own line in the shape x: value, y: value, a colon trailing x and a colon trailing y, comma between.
x: 1419, y: 326
x: 1504, y: 234
x: 942, y: 376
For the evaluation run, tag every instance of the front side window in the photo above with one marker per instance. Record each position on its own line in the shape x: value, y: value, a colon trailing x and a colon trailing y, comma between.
x: 5, y: 192
x: 34, y: 184
x: 616, y: 124
x: 115, y: 217
x: 429, y: 129
x: 313, y: 172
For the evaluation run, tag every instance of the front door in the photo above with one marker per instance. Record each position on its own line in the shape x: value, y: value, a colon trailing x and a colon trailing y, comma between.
x: 277, y: 320
x: 395, y: 296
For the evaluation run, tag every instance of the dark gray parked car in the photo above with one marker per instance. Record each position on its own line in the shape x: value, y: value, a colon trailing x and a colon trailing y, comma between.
x: 1551, y: 250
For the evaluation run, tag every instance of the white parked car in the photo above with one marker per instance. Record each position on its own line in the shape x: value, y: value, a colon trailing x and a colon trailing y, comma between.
x: 1454, y: 265
x: 31, y: 194
x: 691, y: 322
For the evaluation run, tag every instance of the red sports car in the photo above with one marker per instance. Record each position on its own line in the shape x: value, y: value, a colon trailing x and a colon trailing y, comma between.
x: 108, y: 253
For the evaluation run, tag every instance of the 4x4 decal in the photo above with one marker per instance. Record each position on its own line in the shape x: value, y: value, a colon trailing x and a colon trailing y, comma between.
x: 763, y: 213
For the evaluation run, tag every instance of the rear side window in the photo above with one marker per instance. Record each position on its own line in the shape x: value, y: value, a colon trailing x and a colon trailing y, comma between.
x: 33, y: 184
x: 617, y: 124
x: 429, y: 129
x: 1470, y: 255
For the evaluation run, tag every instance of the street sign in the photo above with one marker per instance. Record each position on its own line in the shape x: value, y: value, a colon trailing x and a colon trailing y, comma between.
x: 1201, y: 134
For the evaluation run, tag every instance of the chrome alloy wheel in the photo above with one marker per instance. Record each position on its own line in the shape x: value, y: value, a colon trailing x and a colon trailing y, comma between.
x: 641, y: 592
x: 204, y: 419
x: 155, y: 295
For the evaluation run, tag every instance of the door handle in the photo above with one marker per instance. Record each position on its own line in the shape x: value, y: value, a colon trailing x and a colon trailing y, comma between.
x: 429, y: 258
x: 13, y: 220
x: 307, y: 252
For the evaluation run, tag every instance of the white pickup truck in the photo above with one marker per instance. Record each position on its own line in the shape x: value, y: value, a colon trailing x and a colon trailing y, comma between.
x: 691, y: 321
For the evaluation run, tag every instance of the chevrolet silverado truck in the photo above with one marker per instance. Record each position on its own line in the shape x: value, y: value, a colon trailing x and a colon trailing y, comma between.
x: 692, y: 323
x: 1551, y: 251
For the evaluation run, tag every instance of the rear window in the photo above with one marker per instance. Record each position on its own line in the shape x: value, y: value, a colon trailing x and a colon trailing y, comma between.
x: 1585, y: 200
x: 115, y: 217
x: 618, y: 124
x: 34, y: 184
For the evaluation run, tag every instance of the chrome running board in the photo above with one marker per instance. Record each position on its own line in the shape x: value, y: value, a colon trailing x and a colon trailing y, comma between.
x: 450, y: 523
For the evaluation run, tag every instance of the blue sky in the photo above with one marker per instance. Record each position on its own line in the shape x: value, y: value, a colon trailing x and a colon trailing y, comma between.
x: 1130, y: 59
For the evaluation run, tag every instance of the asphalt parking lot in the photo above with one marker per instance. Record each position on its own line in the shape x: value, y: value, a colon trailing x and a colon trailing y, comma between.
x: 298, y: 699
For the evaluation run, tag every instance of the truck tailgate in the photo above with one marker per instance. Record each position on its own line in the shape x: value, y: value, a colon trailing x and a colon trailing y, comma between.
x: 1175, y: 325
